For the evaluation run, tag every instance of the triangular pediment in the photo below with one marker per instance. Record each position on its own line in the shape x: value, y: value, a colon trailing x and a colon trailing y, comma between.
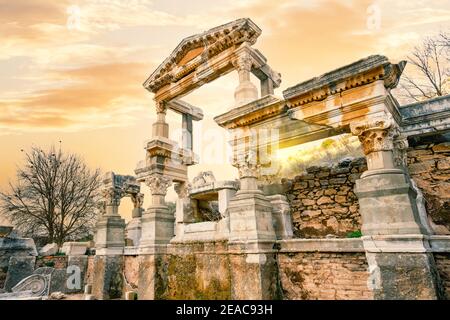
x: 202, y: 46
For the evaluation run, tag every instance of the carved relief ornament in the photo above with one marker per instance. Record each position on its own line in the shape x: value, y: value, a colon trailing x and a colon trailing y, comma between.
x: 158, y: 184
x: 112, y: 196
x: 375, y: 135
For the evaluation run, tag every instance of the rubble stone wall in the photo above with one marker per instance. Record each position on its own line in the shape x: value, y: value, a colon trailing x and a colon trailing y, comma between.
x: 443, y: 265
x: 322, y: 200
x: 324, y: 276
x: 429, y: 167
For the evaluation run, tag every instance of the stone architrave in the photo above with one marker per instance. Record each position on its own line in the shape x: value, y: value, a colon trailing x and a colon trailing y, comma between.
x: 401, y: 265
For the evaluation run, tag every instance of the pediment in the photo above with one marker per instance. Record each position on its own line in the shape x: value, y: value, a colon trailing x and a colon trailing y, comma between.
x: 196, y: 49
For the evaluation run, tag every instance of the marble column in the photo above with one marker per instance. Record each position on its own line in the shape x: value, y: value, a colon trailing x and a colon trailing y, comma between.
x: 110, y: 237
x: 246, y: 90
x: 160, y: 128
x: 397, y: 249
x: 183, y: 211
x: 110, y: 242
x: 134, y: 227
x: 252, y: 237
x: 157, y: 231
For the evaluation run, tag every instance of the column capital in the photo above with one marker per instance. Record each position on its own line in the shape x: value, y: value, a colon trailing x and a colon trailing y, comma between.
x: 158, y: 184
x: 137, y: 199
x: 248, y: 165
x: 112, y: 196
x: 161, y: 107
x: 243, y: 62
x: 376, y: 134
x: 182, y: 189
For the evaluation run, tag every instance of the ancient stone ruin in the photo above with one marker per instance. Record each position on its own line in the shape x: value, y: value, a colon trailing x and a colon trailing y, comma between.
x: 249, y: 239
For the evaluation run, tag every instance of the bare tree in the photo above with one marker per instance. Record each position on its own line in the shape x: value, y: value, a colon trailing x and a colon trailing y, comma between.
x: 429, y: 74
x: 55, y: 196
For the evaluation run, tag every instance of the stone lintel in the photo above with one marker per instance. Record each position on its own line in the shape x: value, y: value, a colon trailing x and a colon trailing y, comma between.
x: 414, y: 243
x: 321, y: 245
x: 183, y: 107
x: 256, y: 110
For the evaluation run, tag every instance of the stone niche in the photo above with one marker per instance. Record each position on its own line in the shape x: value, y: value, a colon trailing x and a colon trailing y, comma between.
x: 322, y: 200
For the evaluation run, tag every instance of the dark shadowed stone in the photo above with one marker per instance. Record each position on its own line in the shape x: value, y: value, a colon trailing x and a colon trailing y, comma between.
x: 108, y: 280
x: 407, y: 276
x: 18, y: 269
x: 58, y: 281
x: 345, y: 162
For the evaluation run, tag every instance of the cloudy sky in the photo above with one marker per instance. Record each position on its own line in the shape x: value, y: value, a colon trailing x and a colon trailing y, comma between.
x: 72, y: 70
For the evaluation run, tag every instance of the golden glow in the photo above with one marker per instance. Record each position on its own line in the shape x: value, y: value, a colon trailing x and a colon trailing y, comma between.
x: 73, y: 70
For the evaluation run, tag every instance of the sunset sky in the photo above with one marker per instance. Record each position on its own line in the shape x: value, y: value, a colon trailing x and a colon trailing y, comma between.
x: 72, y: 70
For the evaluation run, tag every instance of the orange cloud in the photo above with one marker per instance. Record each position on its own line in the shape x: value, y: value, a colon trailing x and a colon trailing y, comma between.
x: 91, y: 90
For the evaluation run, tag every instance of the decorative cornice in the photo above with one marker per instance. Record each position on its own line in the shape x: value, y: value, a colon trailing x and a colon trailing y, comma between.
x: 361, y: 72
x: 212, y: 41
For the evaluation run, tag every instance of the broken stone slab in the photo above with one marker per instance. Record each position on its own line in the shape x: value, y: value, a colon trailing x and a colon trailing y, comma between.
x: 49, y: 249
x: 74, y: 248
x: 24, y: 295
x: 15, y: 247
x: 18, y: 269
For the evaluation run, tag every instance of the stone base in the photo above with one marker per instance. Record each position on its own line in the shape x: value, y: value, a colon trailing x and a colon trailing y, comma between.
x: 152, y: 280
x: 108, y: 278
x: 157, y: 228
x: 133, y: 231
x: 251, y: 217
x: 110, y: 233
x: 404, y: 276
x: 387, y: 204
x: 254, y: 273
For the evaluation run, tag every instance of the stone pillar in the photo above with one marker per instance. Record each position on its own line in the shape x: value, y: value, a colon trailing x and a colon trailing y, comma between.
x: 110, y: 242
x: 160, y: 128
x: 395, y: 241
x: 246, y: 91
x: 187, y: 130
x: 266, y: 87
x: 282, y: 219
x: 110, y: 237
x: 183, y: 213
x: 252, y: 238
x: 157, y: 230
x: 134, y: 227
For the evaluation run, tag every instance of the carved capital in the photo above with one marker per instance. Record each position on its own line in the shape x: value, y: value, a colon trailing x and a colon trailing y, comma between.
x: 161, y: 107
x: 182, y: 189
x: 137, y: 199
x: 243, y: 62
x: 375, y: 135
x: 158, y: 184
x: 248, y: 170
x: 112, y: 196
x: 400, y: 147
